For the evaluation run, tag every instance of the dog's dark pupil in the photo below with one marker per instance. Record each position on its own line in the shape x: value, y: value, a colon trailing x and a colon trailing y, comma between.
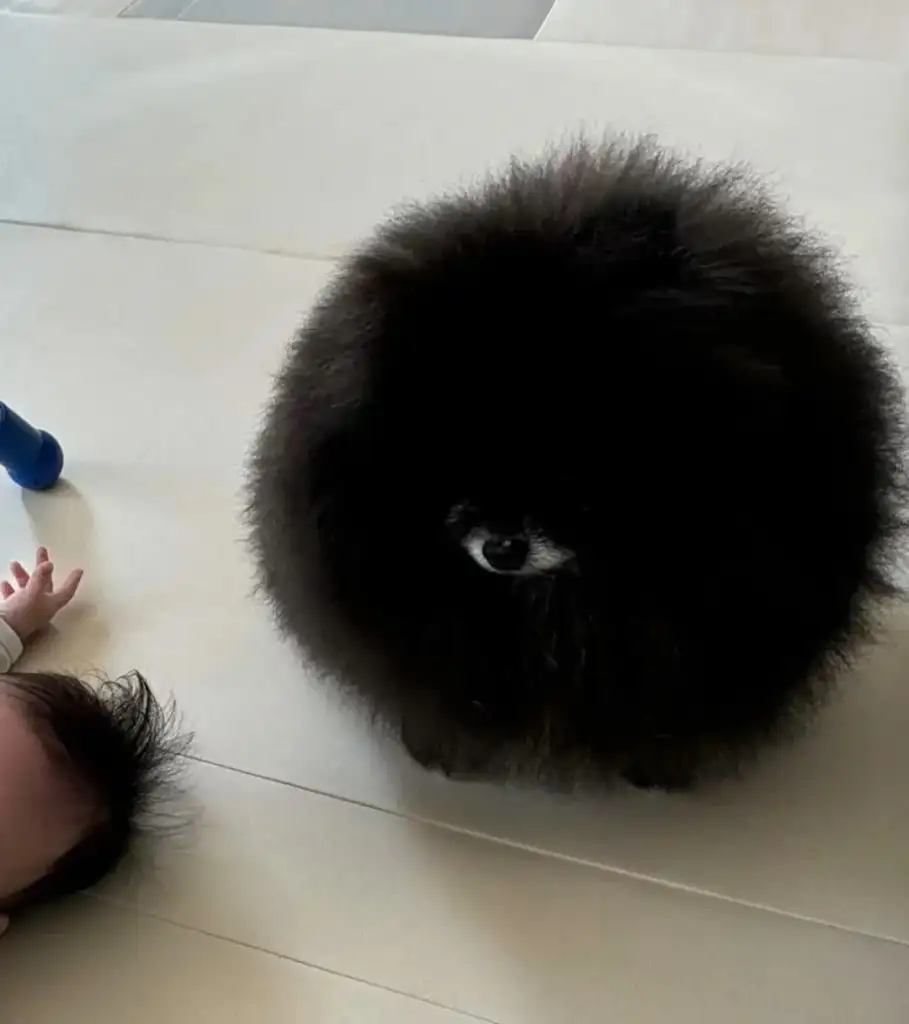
x: 507, y: 554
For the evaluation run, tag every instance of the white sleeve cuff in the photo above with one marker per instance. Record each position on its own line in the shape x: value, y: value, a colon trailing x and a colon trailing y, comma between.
x: 10, y: 646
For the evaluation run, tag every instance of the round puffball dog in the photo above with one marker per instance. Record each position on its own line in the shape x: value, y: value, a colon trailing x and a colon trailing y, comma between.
x: 593, y: 467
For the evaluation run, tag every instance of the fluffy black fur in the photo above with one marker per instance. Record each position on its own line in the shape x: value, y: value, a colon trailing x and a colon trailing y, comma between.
x: 640, y: 359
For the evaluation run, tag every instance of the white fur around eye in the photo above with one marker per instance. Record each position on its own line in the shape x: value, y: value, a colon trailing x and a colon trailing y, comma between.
x: 544, y: 555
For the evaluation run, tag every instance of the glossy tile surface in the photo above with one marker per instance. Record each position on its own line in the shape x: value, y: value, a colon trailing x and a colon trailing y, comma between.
x: 503, y: 933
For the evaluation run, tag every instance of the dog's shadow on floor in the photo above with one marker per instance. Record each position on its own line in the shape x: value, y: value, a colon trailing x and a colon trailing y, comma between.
x: 796, y: 831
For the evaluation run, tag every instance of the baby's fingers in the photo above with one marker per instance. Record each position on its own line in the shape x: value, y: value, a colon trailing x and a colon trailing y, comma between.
x: 19, y: 573
x: 6, y: 589
x: 42, y: 578
x: 67, y: 592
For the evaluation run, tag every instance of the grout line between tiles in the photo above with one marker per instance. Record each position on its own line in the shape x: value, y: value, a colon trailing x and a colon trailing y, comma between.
x: 290, y: 254
x: 182, y: 15
x: 143, y: 236
x: 544, y: 23
x: 636, y: 876
x: 101, y: 898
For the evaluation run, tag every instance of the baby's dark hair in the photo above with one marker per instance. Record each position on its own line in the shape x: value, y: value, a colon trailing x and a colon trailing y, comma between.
x: 118, y: 744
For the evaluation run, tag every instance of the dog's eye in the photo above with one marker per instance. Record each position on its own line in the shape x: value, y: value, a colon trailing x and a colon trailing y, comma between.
x: 505, y: 554
x: 514, y: 554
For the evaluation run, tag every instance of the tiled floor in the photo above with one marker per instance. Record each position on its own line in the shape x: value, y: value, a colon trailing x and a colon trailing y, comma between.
x: 828, y: 28
x: 172, y: 197
x: 519, y: 19
x: 74, y: 8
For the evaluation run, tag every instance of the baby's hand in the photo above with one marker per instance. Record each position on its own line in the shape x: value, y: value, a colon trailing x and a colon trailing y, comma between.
x: 31, y: 608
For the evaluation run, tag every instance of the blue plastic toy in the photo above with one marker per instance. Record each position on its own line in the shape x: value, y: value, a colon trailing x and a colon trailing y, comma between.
x: 32, y: 457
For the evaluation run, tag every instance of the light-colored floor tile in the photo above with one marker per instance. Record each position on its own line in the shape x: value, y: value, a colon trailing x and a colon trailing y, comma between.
x: 156, y: 8
x: 77, y: 8
x: 500, y: 932
x: 299, y: 141
x: 828, y: 28
x: 151, y: 361
x: 517, y: 19
x: 96, y: 964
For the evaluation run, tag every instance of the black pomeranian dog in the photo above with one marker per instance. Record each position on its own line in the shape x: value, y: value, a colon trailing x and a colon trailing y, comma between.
x: 592, y: 467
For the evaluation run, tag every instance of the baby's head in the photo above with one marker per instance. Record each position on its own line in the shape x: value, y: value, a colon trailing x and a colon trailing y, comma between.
x: 80, y: 767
